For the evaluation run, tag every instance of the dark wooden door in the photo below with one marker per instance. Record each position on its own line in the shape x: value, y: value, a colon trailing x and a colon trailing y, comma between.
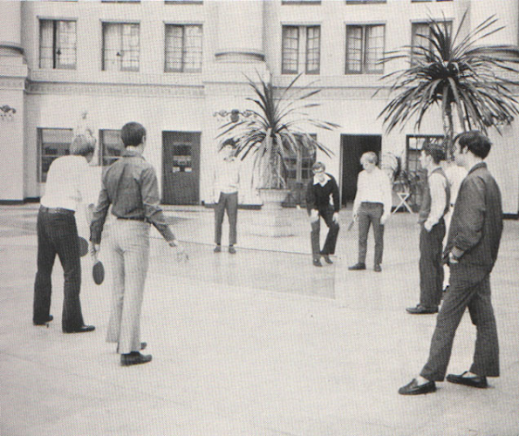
x: 181, y: 167
x: 352, y: 148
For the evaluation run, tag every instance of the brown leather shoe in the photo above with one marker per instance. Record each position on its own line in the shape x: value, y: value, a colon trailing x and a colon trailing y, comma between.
x: 478, y: 381
x: 134, y: 358
x: 327, y: 259
x: 317, y: 262
x: 377, y: 268
x: 413, y: 388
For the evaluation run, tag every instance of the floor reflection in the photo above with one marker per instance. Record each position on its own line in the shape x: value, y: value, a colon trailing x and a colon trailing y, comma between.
x: 258, y: 269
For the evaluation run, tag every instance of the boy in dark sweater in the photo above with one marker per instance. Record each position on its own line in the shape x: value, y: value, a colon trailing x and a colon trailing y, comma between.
x: 321, y: 191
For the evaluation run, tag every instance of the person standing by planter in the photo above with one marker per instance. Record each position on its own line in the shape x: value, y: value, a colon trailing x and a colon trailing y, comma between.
x: 323, y: 190
x: 471, y: 252
x: 57, y: 235
x: 372, y: 206
x: 435, y: 204
x: 226, y: 181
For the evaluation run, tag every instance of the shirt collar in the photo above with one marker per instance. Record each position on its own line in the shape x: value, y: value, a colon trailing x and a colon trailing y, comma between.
x: 131, y: 153
x: 478, y: 165
x: 326, y: 178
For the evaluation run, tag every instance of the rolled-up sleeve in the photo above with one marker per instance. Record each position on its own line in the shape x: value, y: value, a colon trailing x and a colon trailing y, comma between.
x: 150, y: 199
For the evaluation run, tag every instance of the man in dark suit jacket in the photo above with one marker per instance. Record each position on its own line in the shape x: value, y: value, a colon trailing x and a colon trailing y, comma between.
x: 471, y: 252
x: 321, y: 191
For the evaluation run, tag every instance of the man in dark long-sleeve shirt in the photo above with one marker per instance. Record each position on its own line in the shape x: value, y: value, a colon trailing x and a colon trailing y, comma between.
x: 130, y: 186
x: 320, y: 190
x: 472, y: 247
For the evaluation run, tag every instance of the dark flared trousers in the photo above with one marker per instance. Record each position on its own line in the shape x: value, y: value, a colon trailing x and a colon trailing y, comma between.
x: 229, y: 203
x: 469, y: 288
x: 57, y: 235
x: 331, y: 237
x: 370, y: 214
x: 431, y: 268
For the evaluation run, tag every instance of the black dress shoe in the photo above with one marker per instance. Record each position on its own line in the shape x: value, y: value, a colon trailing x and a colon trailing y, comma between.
x: 421, y: 310
x: 327, y: 259
x: 357, y: 267
x: 317, y: 262
x: 377, y: 268
x: 478, y: 381
x: 49, y: 319
x: 82, y: 329
x: 134, y: 358
x: 413, y: 388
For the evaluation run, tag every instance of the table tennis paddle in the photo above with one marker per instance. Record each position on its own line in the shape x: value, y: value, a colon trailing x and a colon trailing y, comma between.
x: 98, y: 270
x: 83, y: 246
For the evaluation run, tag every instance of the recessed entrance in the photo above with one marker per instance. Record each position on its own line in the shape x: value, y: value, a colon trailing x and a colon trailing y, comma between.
x: 352, y: 148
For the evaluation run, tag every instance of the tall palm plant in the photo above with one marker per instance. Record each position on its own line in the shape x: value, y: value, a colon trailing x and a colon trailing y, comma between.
x: 454, y: 72
x: 276, y: 129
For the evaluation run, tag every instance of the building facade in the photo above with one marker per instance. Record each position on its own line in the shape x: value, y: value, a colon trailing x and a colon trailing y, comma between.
x: 180, y: 68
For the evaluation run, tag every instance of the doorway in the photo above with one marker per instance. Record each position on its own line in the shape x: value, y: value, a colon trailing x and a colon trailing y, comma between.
x: 352, y: 148
x: 180, y: 167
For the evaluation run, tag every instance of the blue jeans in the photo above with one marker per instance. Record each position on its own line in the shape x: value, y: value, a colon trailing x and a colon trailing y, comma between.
x: 57, y: 235
x: 128, y: 248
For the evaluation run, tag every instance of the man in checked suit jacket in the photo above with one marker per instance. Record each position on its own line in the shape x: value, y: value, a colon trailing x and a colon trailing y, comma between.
x: 471, y: 251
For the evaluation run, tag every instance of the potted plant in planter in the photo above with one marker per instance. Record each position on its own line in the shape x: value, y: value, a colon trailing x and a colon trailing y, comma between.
x: 275, y: 131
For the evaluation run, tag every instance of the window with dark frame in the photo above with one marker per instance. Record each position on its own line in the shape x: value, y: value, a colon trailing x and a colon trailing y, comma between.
x: 413, y: 167
x: 110, y: 146
x: 121, y: 46
x: 183, y: 48
x: 365, y: 48
x: 421, y: 31
x: 301, y: 49
x: 58, y: 41
x: 52, y: 143
x: 299, y: 172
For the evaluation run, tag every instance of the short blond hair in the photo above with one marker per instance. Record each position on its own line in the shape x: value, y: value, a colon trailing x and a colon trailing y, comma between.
x: 82, y: 145
x: 369, y: 156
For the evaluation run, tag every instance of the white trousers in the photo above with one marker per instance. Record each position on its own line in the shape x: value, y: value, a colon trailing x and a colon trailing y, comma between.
x: 128, y: 248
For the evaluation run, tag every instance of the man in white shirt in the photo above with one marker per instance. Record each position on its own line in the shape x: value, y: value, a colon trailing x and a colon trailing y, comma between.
x: 226, y: 183
x: 57, y: 235
x: 372, y: 205
x: 435, y: 204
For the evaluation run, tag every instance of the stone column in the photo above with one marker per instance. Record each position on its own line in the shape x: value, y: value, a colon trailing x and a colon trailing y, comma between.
x: 13, y: 74
x: 240, y: 31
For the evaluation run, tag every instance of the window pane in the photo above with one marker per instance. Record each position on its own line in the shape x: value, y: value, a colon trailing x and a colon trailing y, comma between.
x: 354, y: 49
x: 374, y: 48
x: 46, y: 44
x: 313, y: 45
x: 290, y: 58
x: 53, y: 144
x: 111, y: 46
x: 66, y: 44
x: 174, y: 47
x: 193, y: 49
x: 130, y: 47
x: 111, y: 146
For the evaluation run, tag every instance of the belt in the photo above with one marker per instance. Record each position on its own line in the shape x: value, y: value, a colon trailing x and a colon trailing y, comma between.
x: 59, y: 210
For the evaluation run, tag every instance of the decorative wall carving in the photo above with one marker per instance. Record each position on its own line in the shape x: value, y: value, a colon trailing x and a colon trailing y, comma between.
x: 112, y: 89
